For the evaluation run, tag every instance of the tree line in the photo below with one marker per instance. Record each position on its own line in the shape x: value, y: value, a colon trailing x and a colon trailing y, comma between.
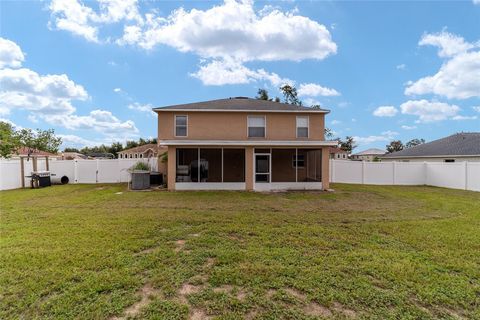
x: 114, y: 148
x: 12, y: 139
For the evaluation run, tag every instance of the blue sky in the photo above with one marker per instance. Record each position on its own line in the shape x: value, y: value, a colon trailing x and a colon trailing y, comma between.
x: 387, y: 70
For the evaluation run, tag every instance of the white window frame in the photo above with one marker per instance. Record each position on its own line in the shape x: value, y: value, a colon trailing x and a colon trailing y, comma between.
x: 175, y: 126
x: 264, y: 126
x: 308, y: 127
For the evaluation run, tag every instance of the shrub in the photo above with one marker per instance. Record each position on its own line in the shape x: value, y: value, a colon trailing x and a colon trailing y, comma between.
x: 140, y: 166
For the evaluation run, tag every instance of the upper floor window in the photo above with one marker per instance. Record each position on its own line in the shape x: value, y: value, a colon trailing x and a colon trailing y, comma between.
x: 302, y: 127
x: 181, y: 123
x: 256, y: 127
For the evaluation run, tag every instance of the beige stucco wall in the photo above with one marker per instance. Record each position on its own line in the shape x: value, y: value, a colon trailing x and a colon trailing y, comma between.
x: 233, y: 125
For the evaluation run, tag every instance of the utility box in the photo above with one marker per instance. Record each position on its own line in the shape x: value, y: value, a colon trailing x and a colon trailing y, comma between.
x: 140, y: 179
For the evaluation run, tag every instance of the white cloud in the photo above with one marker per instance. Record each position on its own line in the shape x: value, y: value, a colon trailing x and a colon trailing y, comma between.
x: 456, y: 79
x: 476, y: 1
x: 429, y: 111
x: 385, y: 111
x: 448, y: 44
x: 235, y: 30
x: 315, y: 90
x: 49, y: 97
x: 458, y: 76
x: 81, y: 20
x: 222, y: 72
x: 99, y: 120
x: 117, y: 90
x: 334, y: 122
x: 460, y: 118
x: 49, y: 94
x: 147, y: 108
x: 10, y: 54
x: 404, y: 127
x: 383, y: 137
x: 401, y: 66
x: 226, y: 35
x: 32, y: 118
x: 70, y: 140
x: 478, y: 107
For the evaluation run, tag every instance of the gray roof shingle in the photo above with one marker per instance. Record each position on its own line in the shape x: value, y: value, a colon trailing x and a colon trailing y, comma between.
x: 239, y: 104
x: 459, y: 144
x: 372, y: 151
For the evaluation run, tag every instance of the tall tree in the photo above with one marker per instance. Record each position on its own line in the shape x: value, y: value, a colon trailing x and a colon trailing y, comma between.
x: 9, y: 141
x: 394, y: 146
x: 290, y: 95
x: 414, y: 142
x: 348, y: 144
x: 44, y: 140
x: 115, y: 148
x: 262, y: 94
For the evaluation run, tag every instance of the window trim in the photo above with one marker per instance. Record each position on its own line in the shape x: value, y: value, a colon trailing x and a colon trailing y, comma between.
x: 175, y: 126
x: 264, y: 126
x: 308, y: 127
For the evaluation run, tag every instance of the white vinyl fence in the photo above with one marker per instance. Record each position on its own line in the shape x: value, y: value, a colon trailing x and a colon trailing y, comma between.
x: 457, y: 175
x: 77, y: 171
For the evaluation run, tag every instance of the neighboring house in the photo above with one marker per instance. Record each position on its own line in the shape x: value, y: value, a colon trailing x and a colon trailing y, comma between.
x: 150, y: 150
x: 244, y: 144
x: 368, y: 155
x: 100, y: 155
x: 73, y: 155
x: 457, y: 147
x: 25, y: 152
x: 338, y: 154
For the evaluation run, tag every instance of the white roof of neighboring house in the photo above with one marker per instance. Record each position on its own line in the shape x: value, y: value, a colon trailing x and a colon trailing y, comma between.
x: 370, y: 152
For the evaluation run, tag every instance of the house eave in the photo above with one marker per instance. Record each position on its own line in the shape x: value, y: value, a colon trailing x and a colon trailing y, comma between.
x: 248, y: 143
x: 242, y: 111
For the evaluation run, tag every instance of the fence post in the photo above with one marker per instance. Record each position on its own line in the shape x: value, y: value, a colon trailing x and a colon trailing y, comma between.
x: 363, y: 171
x: 96, y: 173
x: 425, y: 173
x: 394, y: 169
x: 75, y: 171
x: 466, y: 175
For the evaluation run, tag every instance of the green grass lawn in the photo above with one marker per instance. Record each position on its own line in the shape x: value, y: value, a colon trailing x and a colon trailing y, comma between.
x: 86, y: 252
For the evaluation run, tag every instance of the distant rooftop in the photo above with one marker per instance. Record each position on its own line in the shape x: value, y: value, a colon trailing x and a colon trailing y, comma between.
x: 368, y: 152
x: 240, y: 104
x: 141, y: 149
x: 459, y: 144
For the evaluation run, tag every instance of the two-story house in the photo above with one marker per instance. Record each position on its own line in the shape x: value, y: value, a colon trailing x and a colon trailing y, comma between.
x: 244, y: 144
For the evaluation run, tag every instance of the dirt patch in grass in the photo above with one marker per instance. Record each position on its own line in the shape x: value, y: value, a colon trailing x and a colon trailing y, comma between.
x: 316, y: 310
x: 198, y: 314
x: 340, y: 308
x: 297, y: 294
x: 146, y: 293
x: 210, y: 263
x: 188, y: 289
x: 145, y: 251
x: 179, y: 245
